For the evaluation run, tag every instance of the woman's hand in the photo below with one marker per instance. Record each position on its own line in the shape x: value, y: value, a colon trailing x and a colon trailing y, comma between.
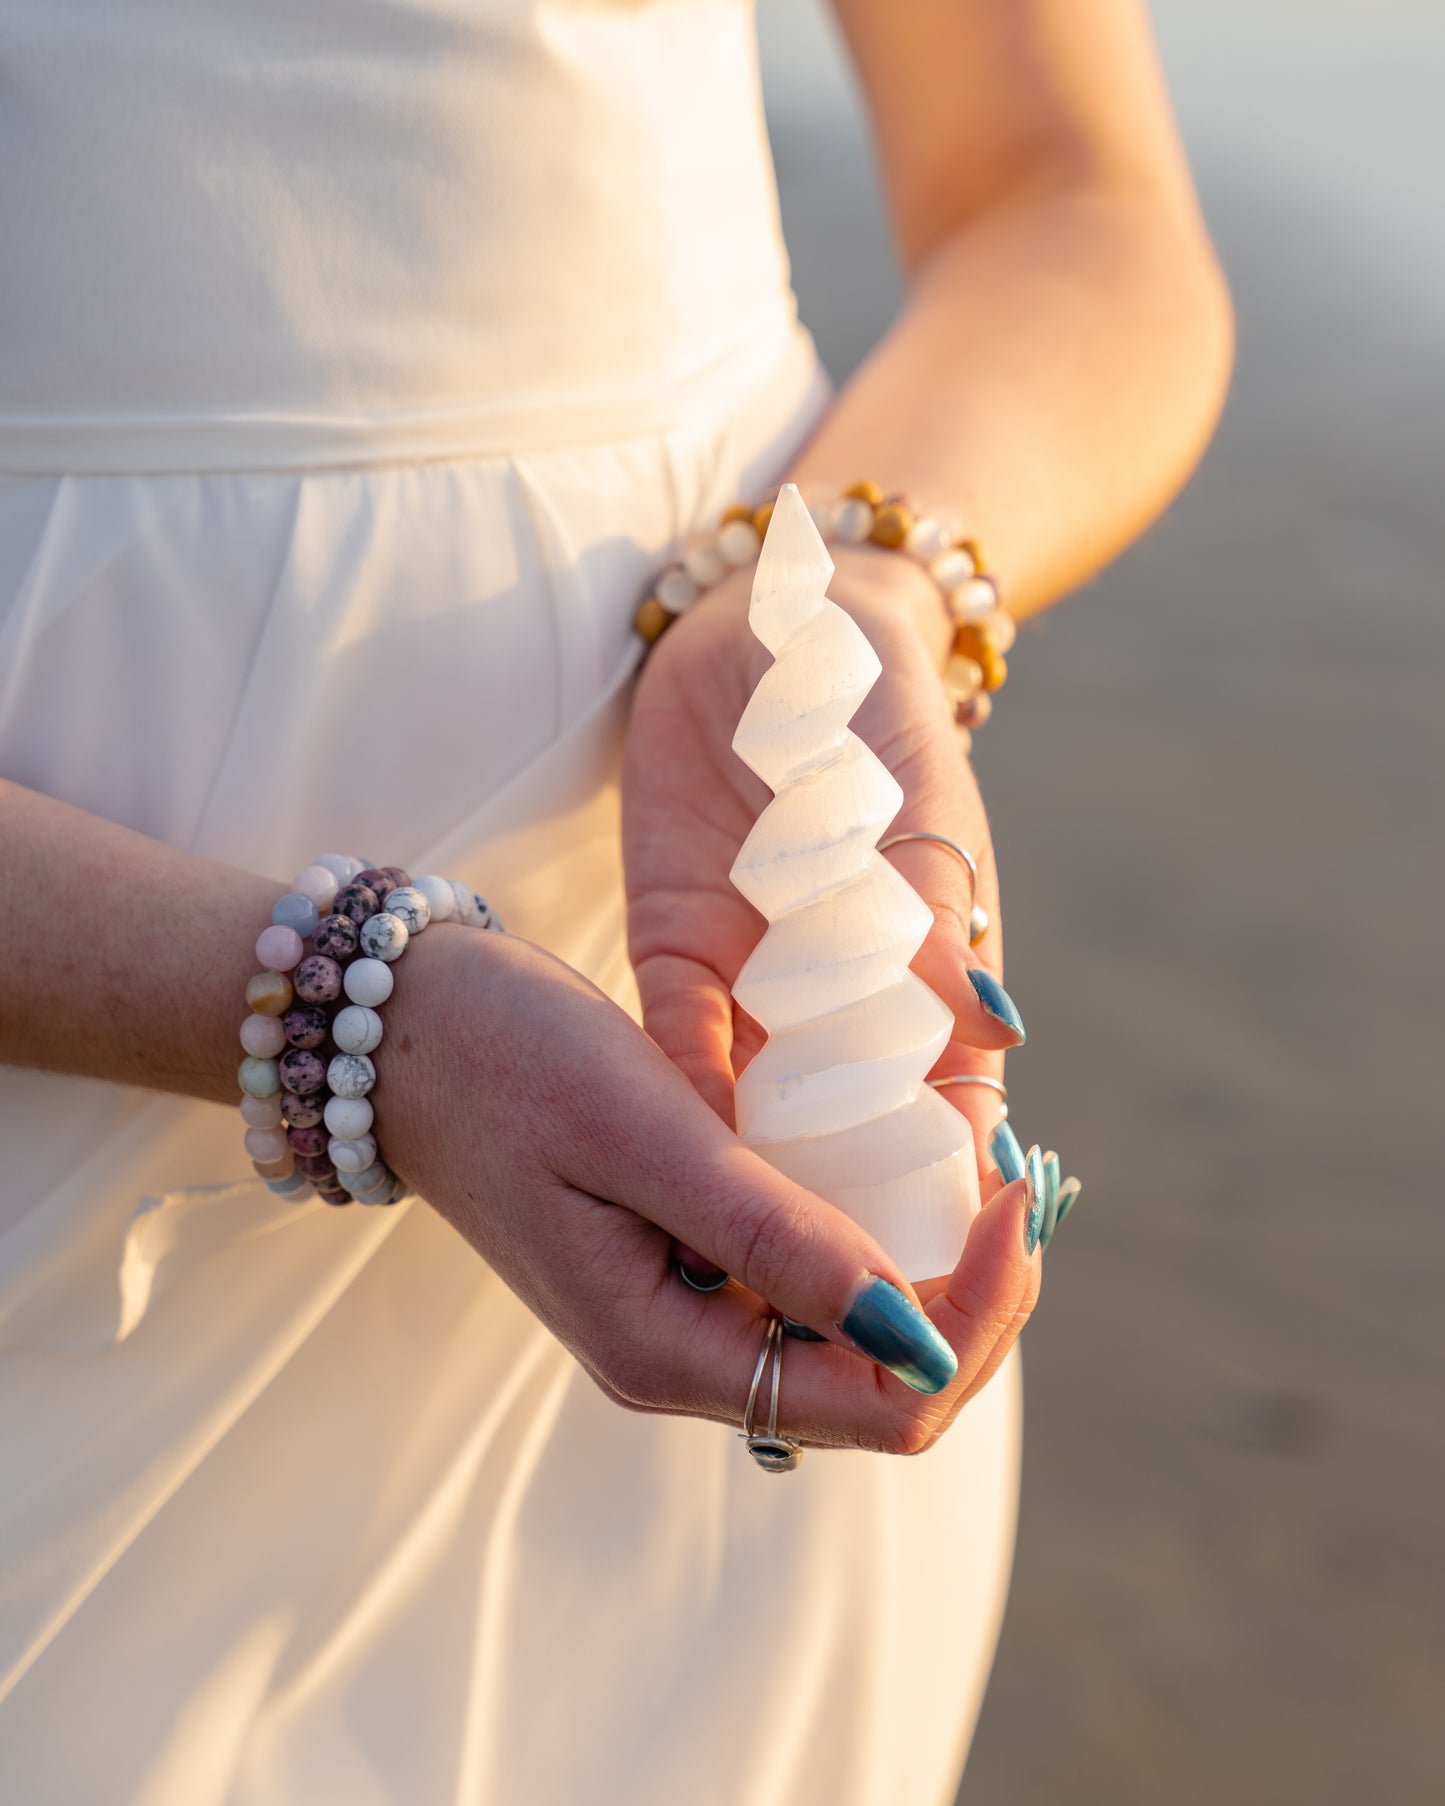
x: 553, y: 1134
x: 689, y: 801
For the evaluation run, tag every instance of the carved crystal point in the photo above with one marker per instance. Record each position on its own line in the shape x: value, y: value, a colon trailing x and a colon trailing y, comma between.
x: 836, y: 1098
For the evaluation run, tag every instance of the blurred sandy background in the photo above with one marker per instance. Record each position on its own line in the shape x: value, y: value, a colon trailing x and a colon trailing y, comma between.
x: 1216, y: 783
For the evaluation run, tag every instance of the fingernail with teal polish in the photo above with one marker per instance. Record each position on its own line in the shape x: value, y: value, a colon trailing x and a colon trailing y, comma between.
x: 891, y: 1330
x: 1008, y: 1156
x: 801, y: 1331
x: 1051, y: 1197
x: 1068, y: 1197
x: 997, y: 1002
x: 1034, y: 1209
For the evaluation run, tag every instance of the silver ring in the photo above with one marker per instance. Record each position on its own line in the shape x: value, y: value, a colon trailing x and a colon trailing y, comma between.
x: 976, y: 1078
x: 774, y: 1454
x: 977, y: 917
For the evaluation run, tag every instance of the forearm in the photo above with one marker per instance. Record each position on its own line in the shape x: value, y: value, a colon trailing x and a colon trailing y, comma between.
x: 134, y: 964
x: 1053, y: 377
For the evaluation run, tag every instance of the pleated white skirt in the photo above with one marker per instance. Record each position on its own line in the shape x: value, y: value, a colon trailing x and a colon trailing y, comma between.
x: 301, y: 1507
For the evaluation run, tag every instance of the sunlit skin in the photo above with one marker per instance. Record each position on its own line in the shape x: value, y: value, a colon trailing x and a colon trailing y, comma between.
x: 1053, y: 377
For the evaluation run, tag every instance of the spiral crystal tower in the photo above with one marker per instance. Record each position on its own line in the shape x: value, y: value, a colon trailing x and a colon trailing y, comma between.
x: 836, y: 1098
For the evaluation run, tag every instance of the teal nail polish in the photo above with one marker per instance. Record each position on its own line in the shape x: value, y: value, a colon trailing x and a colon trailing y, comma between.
x: 1051, y: 1197
x: 791, y: 1327
x: 1068, y: 1197
x: 1008, y: 1156
x: 997, y: 1002
x: 891, y: 1330
x: 1034, y: 1207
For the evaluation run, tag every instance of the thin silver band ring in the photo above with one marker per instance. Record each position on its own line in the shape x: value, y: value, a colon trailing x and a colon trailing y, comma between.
x: 773, y: 1453
x: 977, y: 918
x: 975, y: 1078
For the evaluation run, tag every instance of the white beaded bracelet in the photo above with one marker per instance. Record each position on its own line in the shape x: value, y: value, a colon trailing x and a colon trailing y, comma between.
x: 984, y: 632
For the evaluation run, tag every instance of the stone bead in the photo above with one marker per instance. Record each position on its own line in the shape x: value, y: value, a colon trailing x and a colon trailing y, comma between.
x: 486, y: 916
x: 369, y: 1177
x: 359, y: 901
x: 735, y: 511
x: 926, y: 539
x: 965, y: 741
x: 409, y: 906
x: 318, y: 979
x: 349, y: 1117
x: 337, y: 937
x: 438, y: 894
x: 996, y: 631
x: 384, y: 937
x: 274, y: 1169
x: 822, y: 513
x: 891, y: 524
x: 739, y: 542
x: 261, y: 1112
x: 369, y: 982
x: 269, y: 993
x: 466, y: 900
x: 342, y: 865
x: 292, y: 1186
x: 995, y: 671
x: 259, y: 1078
x: 973, y: 600
x: 950, y: 569
x: 704, y: 563
x: 1001, y: 629
x: 267, y: 1144
x: 357, y: 1029
x: 865, y: 490
x: 676, y: 591
x: 974, y: 710
x: 316, y: 1167
x: 298, y: 912
x: 762, y: 517
x: 349, y: 1156
x: 397, y: 876
x: 279, y: 949
x: 262, y: 1036
x: 350, y: 1075
x: 305, y: 1026
x: 962, y: 676
x: 975, y: 552
x: 318, y: 884
x: 376, y: 878
x: 652, y: 620
x: 310, y: 1141
x: 302, y: 1071
x: 852, y: 521
x: 333, y: 1195
x: 303, y: 1112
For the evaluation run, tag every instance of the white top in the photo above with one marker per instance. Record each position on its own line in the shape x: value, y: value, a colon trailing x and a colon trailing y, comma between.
x: 329, y: 231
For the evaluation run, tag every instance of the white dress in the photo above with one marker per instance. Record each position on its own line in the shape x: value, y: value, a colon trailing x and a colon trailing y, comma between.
x: 359, y: 363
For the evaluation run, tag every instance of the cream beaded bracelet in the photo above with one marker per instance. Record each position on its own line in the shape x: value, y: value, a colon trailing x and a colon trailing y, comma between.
x: 984, y: 632
x: 308, y: 1073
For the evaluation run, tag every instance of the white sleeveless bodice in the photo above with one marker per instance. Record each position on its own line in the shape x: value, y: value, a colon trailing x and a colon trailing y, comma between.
x: 323, y: 231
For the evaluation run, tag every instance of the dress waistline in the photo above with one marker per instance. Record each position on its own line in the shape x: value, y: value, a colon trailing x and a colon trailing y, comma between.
x: 273, y: 441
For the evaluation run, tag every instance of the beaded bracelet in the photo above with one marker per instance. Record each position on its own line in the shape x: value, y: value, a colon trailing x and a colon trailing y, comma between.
x: 984, y: 632
x: 308, y: 1071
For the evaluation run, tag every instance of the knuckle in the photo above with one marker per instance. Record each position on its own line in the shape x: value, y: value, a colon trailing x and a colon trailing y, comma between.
x: 906, y: 1433
x: 769, y: 1244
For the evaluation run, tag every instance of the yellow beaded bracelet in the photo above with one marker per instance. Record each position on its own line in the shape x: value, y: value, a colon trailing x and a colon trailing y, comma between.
x: 984, y: 632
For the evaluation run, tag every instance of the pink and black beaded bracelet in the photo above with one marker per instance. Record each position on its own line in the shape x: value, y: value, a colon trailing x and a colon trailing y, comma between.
x: 308, y: 1070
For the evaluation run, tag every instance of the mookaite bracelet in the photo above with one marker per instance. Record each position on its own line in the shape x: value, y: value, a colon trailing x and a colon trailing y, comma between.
x: 984, y: 632
x: 308, y: 1070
